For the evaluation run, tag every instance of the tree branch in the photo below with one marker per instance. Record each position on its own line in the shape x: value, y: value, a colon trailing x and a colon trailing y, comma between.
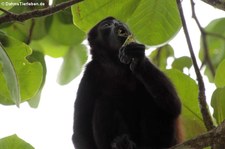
x: 9, y: 16
x: 214, y: 136
x: 220, y: 4
x: 202, y: 98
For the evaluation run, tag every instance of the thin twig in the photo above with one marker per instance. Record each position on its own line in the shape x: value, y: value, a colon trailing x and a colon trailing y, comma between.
x: 30, y: 31
x: 207, y: 59
x: 5, y: 11
x: 202, y: 98
x: 9, y: 17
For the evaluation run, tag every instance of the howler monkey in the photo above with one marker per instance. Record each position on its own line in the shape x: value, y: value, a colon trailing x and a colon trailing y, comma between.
x: 123, y: 100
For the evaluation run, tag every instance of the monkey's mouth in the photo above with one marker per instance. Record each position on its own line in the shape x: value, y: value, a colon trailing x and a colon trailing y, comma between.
x: 122, y: 32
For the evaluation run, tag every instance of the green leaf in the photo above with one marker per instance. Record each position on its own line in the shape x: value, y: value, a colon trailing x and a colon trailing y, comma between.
x: 61, y: 37
x: 14, y: 142
x: 218, y: 104
x: 49, y: 46
x: 88, y: 13
x: 216, y: 45
x: 37, y: 57
x: 72, y: 64
x: 66, y: 34
x: 6, y: 5
x: 29, y: 75
x: 155, y: 22
x: 10, y: 76
x: 21, y: 31
x: 160, y: 18
x: 65, y: 16
x: 188, y: 93
x: 160, y: 55
x: 182, y: 62
x: 219, y: 77
x: 17, y: 30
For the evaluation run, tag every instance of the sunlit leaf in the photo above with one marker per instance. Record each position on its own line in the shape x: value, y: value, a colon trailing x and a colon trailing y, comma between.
x: 182, y: 62
x: 7, y: 5
x: 72, y: 64
x: 218, y: 104
x: 10, y: 76
x: 22, y: 31
x: 29, y: 74
x: 65, y: 16
x: 155, y: 22
x: 88, y: 13
x: 160, y: 56
x: 220, y: 74
x: 49, y: 46
x: 215, y: 43
x: 188, y: 92
x: 14, y: 142
x: 61, y: 36
x: 66, y: 34
x: 37, y: 57
x: 17, y: 30
x: 152, y: 22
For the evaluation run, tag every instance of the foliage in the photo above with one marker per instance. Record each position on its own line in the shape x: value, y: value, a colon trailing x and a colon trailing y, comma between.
x: 216, y: 45
x: 160, y: 18
x: 23, y: 46
x: 14, y: 142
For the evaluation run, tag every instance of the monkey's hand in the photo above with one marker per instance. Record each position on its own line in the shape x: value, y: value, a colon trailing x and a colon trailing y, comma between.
x: 123, y: 142
x: 132, y: 54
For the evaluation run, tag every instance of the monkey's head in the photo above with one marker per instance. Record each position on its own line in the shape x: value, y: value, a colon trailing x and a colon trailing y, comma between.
x: 108, y: 34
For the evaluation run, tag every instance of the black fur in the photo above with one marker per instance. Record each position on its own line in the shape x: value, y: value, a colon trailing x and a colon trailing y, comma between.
x: 123, y: 101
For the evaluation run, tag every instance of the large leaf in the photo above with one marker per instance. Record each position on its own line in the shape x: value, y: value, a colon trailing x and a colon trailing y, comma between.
x: 66, y: 34
x: 188, y: 93
x: 88, y: 13
x: 22, y: 31
x: 182, y: 62
x: 72, y: 64
x: 160, y: 56
x: 10, y: 76
x: 29, y: 75
x: 7, y: 5
x: 37, y: 57
x: 220, y: 73
x: 65, y: 16
x: 153, y: 22
x: 216, y: 45
x: 49, y: 46
x: 14, y: 142
x: 61, y: 37
x: 218, y: 104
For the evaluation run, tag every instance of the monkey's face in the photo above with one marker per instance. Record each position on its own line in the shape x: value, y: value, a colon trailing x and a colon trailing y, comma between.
x: 111, y: 33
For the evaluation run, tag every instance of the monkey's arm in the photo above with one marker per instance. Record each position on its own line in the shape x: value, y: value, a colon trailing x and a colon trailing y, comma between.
x: 84, y: 106
x: 155, y: 82
x: 159, y: 86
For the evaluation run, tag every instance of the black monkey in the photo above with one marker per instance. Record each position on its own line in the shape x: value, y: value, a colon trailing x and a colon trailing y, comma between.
x: 123, y: 100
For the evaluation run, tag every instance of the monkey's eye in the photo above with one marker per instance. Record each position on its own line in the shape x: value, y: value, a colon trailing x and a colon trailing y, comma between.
x: 122, y: 32
x: 106, y: 24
